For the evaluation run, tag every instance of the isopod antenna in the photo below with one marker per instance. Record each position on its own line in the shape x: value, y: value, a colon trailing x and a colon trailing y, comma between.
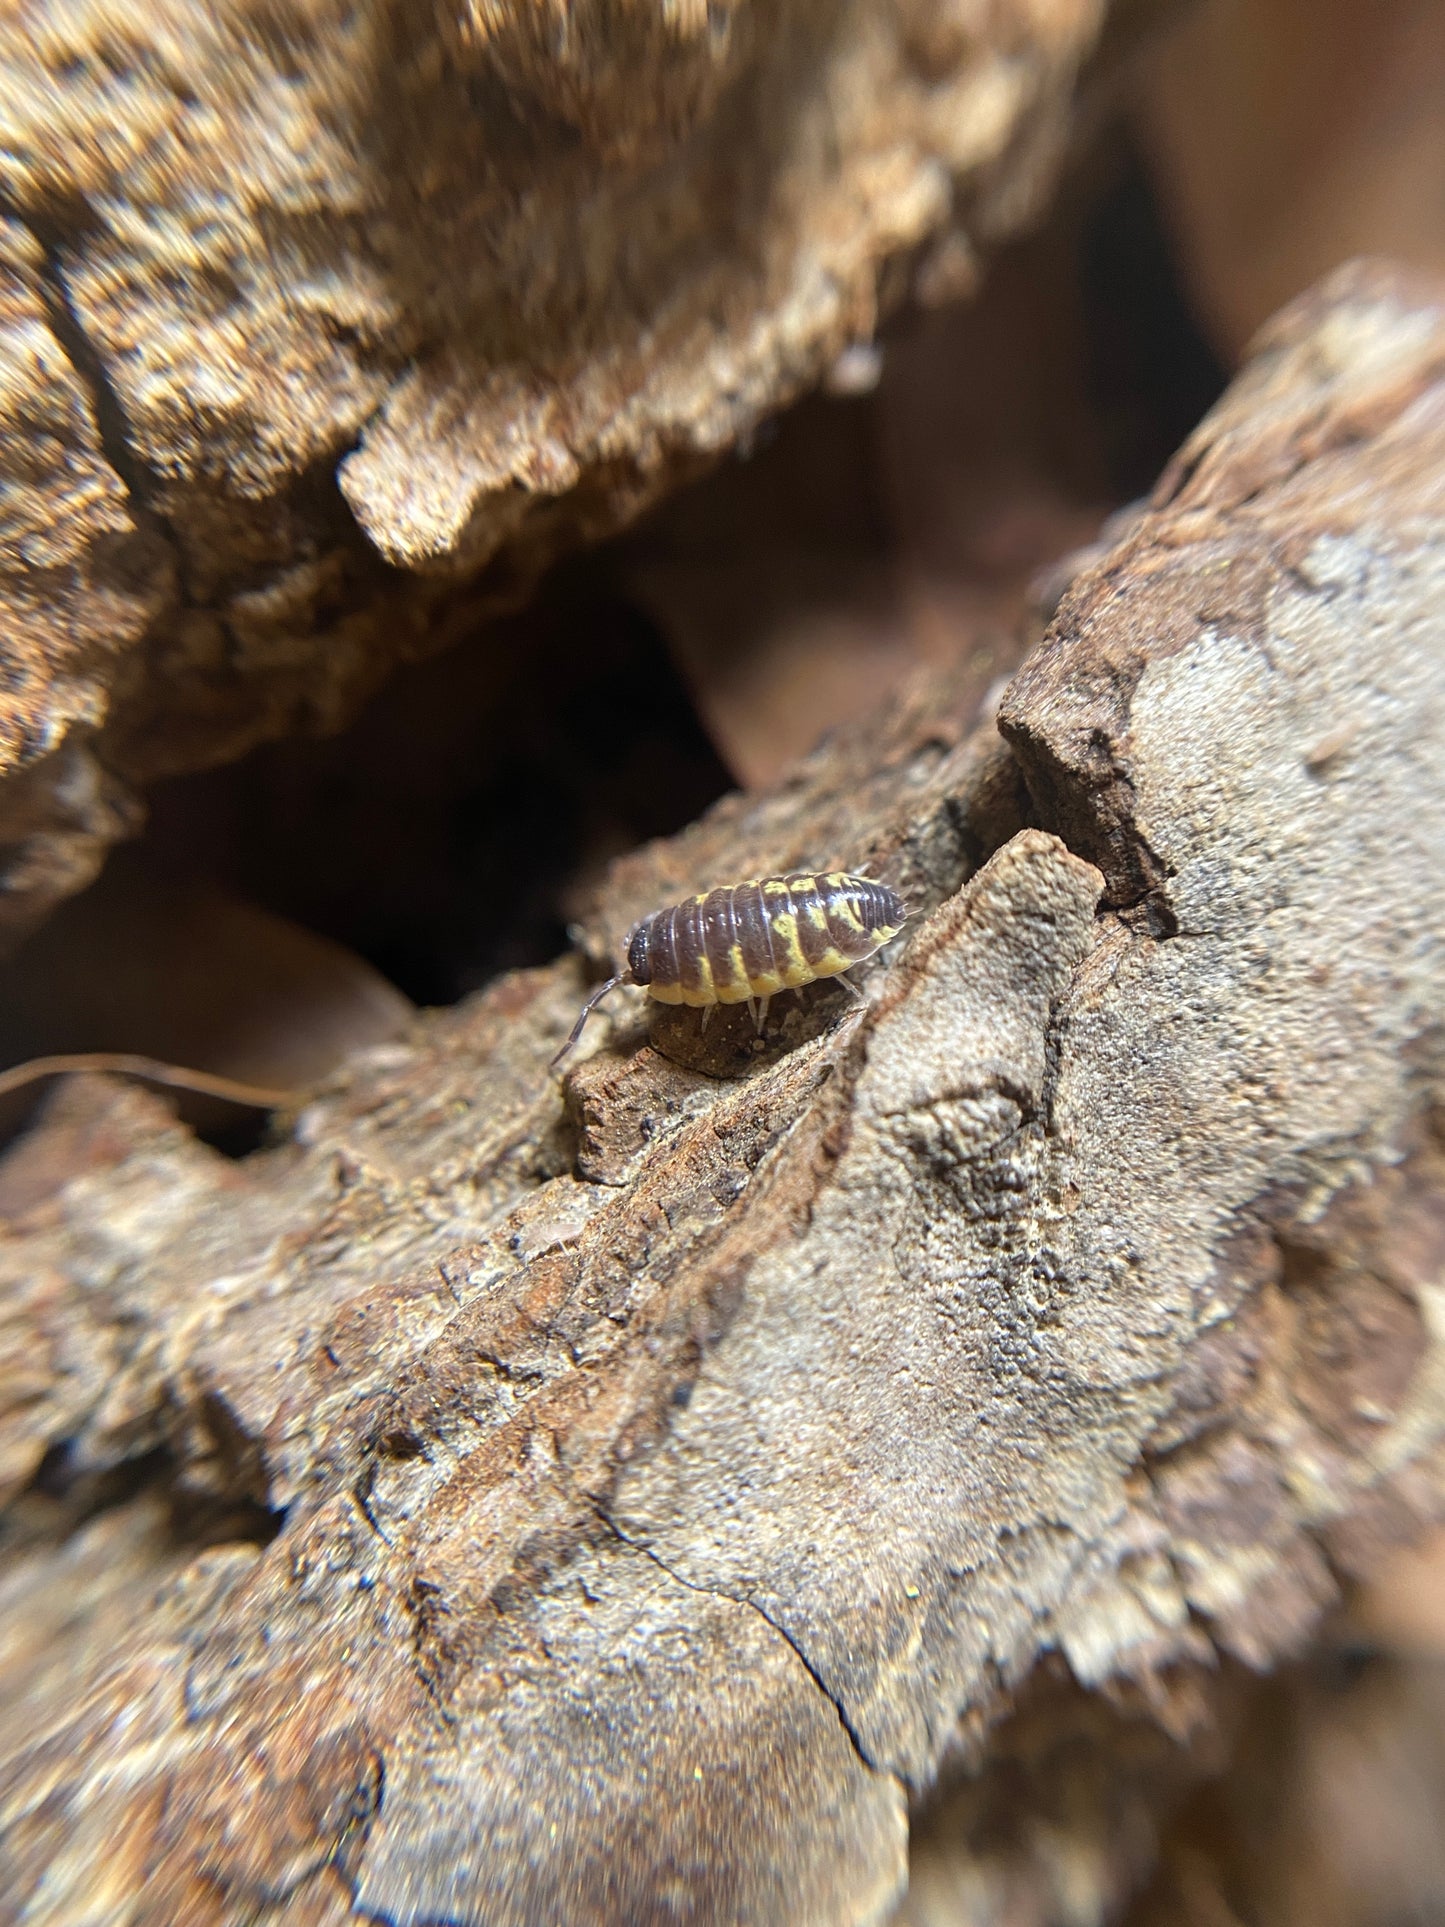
x: 602, y: 990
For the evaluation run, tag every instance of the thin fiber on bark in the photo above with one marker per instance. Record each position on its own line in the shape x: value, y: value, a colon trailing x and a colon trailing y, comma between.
x: 500, y: 1504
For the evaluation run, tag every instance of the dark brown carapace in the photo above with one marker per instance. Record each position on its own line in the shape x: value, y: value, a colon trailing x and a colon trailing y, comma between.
x: 745, y: 942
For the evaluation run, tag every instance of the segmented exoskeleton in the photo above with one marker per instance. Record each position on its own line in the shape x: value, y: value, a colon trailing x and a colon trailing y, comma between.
x: 745, y: 942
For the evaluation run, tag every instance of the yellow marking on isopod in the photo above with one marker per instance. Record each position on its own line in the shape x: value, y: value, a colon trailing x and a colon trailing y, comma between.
x: 839, y: 882
x: 704, y: 993
x: 833, y: 963
x: 737, y: 989
x: 767, y: 983
x: 796, y: 970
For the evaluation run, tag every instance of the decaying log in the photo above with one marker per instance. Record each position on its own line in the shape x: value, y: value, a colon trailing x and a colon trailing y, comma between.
x: 322, y: 326
x: 490, y: 1506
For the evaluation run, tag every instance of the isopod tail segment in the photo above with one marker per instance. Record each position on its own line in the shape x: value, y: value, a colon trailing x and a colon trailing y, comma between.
x: 746, y: 942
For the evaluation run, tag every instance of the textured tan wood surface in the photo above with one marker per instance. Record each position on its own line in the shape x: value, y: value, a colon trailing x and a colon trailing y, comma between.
x: 322, y: 327
x: 682, y: 1472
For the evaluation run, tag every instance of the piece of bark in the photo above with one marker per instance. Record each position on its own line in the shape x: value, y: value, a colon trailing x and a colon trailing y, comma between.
x: 649, y: 1542
x: 320, y: 301
x: 80, y: 580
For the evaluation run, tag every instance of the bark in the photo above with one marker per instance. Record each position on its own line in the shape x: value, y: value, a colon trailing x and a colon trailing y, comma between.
x: 324, y: 326
x: 499, y: 1504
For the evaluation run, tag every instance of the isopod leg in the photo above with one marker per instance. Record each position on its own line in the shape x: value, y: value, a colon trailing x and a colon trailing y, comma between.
x: 852, y: 989
x: 753, y: 1013
x: 762, y: 1017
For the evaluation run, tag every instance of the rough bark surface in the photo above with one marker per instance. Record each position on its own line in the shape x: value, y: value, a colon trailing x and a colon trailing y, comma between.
x: 679, y: 1478
x: 299, y: 300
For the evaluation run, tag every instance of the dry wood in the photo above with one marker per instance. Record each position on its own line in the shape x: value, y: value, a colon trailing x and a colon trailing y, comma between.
x: 679, y: 1475
x: 323, y: 326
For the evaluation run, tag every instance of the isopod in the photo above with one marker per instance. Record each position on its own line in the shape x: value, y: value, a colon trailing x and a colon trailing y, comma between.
x: 745, y: 942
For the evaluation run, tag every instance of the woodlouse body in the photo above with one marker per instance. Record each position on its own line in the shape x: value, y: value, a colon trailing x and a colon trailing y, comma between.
x: 755, y: 939
x: 745, y: 942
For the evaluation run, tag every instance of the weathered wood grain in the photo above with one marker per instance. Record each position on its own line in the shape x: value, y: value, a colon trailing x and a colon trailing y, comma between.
x: 682, y: 1474
x: 346, y: 319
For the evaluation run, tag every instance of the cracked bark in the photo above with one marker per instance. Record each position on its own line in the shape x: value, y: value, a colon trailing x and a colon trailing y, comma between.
x: 838, y: 1707
x: 347, y: 327
x: 495, y: 1505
